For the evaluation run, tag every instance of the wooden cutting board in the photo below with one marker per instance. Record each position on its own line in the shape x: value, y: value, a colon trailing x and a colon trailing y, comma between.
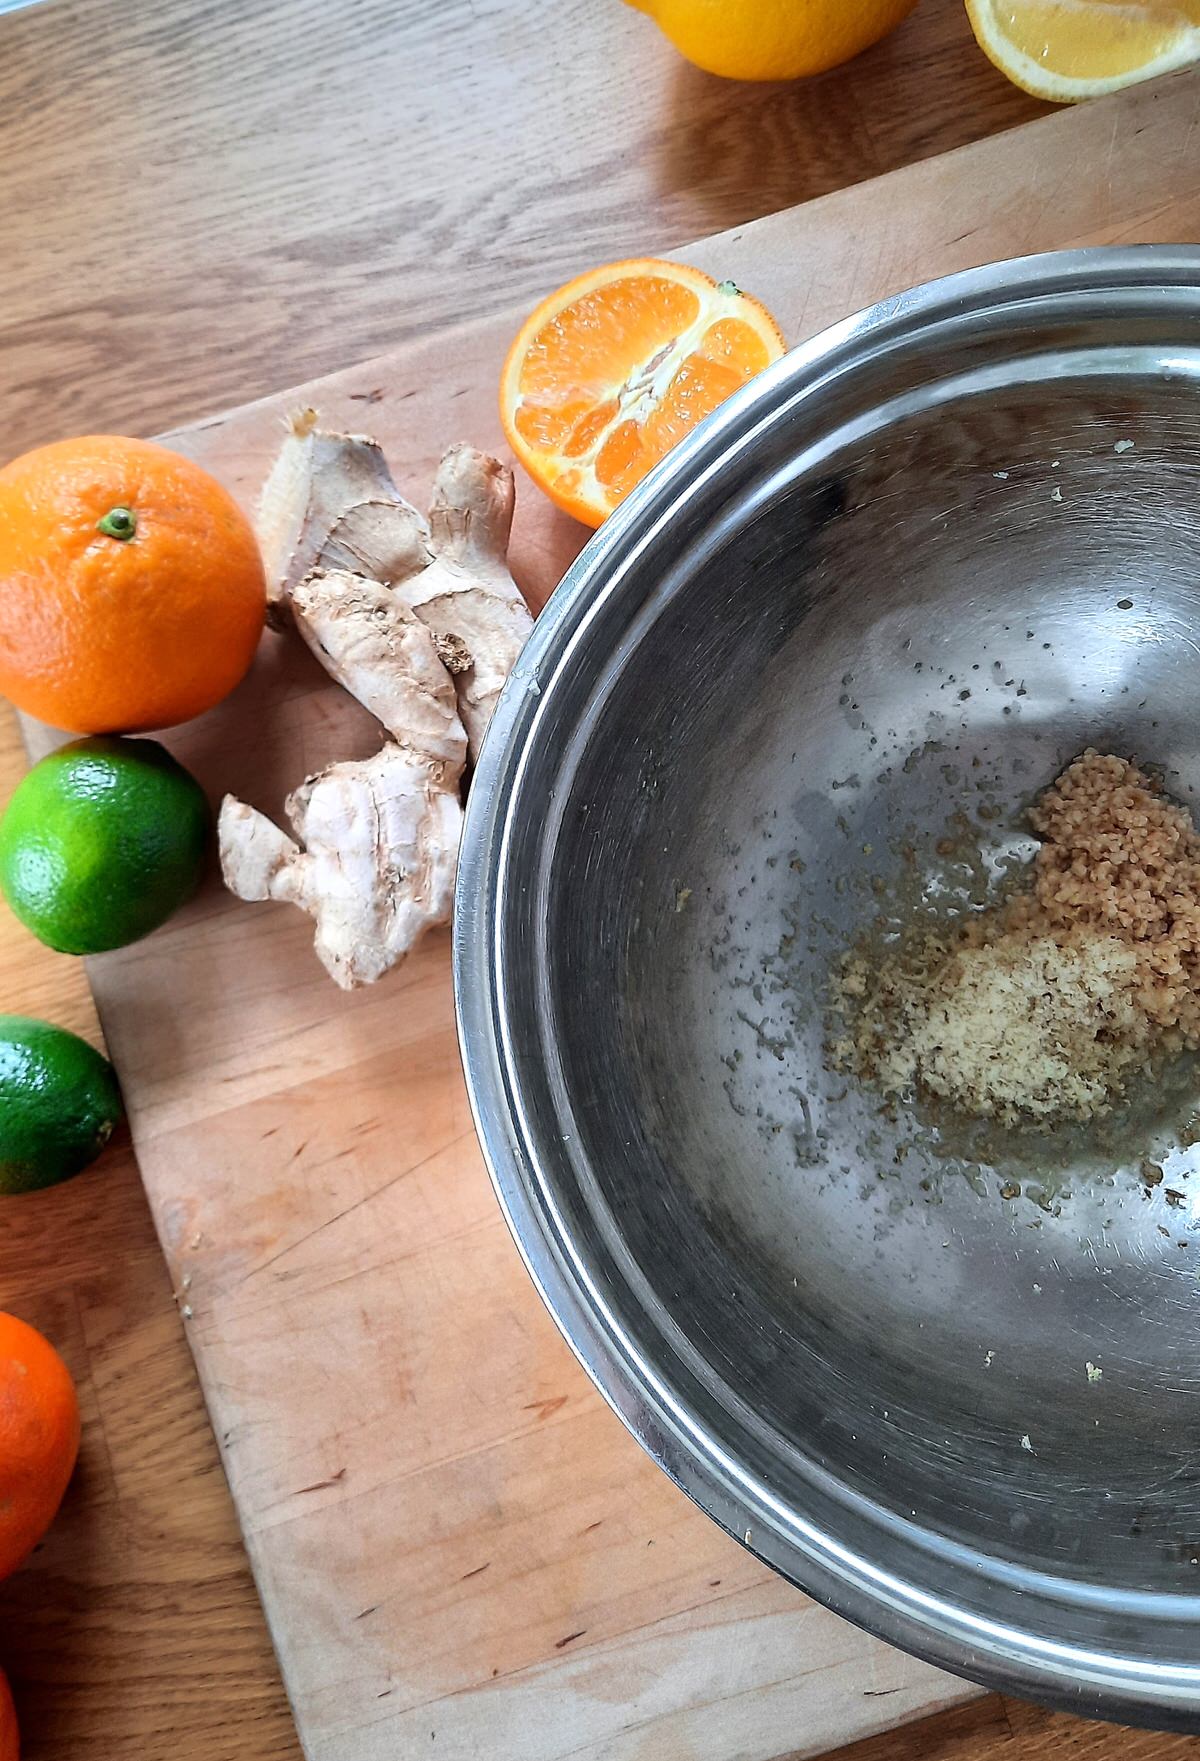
x: 460, y: 1551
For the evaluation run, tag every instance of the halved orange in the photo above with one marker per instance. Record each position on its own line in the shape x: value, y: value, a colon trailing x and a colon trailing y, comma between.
x: 609, y: 372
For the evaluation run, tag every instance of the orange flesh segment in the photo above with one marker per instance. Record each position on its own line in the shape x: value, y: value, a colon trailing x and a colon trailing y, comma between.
x: 599, y: 343
x: 587, y: 432
x: 723, y: 361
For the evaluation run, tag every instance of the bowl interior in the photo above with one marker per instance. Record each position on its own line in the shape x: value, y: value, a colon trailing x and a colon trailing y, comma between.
x: 982, y: 557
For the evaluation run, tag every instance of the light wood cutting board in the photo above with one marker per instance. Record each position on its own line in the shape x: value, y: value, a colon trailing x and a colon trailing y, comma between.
x: 461, y: 1552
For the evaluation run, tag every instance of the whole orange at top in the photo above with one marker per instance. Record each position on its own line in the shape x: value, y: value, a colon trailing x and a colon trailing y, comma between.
x: 773, y: 39
x: 132, y: 593
x: 10, y: 1741
x: 39, y: 1438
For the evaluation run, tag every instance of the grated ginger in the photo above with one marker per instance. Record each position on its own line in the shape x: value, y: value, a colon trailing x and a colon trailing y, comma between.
x: 1042, y: 1009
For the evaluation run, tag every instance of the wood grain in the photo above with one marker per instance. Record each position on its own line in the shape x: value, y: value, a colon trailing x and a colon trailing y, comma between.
x: 206, y: 199
x: 454, y: 1540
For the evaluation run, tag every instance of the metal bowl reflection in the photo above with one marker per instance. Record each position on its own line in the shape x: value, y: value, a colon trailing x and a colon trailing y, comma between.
x: 955, y: 537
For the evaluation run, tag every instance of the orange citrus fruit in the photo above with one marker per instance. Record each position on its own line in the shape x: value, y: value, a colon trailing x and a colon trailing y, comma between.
x: 131, y: 586
x: 773, y: 39
x: 39, y: 1438
x: 609, y: 372
x: 1064, y: 50
x: 10, y: 1742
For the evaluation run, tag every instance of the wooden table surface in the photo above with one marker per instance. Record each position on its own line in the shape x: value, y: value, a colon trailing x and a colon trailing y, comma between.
x: 203, y: 201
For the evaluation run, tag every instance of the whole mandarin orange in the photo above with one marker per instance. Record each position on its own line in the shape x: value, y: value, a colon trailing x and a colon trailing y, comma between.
x: 39, y: 1438
x: 132, y: 593
x: 10, y: 1741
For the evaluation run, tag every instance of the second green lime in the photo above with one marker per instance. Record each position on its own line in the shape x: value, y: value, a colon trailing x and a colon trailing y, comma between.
x: 59, y: 1104
x: 101, y: 842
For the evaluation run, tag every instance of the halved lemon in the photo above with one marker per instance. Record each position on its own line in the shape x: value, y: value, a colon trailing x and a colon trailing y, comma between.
x: 609, y: 372
x: 1065, y: 50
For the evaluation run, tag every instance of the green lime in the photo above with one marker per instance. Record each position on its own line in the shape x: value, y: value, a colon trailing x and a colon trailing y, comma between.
x: 101, y: 842
x: 59, y: 1102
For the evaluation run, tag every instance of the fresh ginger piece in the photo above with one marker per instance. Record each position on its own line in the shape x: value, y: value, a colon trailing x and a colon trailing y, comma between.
x: 421, y: 622
x: 330, y: 505
x: 367, y: 639
x: 374, y: 863
x: 466, y: 595
x: 329, y: 502
x: 380, y: 836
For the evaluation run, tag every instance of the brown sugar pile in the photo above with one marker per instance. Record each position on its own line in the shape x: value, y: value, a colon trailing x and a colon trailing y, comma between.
x: 1043, y: 1009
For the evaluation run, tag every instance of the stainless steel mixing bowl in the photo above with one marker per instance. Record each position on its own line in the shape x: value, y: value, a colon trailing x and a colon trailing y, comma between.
x: 914, y: 568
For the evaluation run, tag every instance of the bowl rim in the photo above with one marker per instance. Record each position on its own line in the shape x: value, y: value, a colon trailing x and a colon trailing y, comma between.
x: 898, y: 1609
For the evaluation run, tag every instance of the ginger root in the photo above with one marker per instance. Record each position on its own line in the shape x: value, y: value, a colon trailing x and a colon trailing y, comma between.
x: 377, y: 866
x: 466, y: 596
x: 421, y: 621
x: 369, y: 641
x: 328, y: 503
